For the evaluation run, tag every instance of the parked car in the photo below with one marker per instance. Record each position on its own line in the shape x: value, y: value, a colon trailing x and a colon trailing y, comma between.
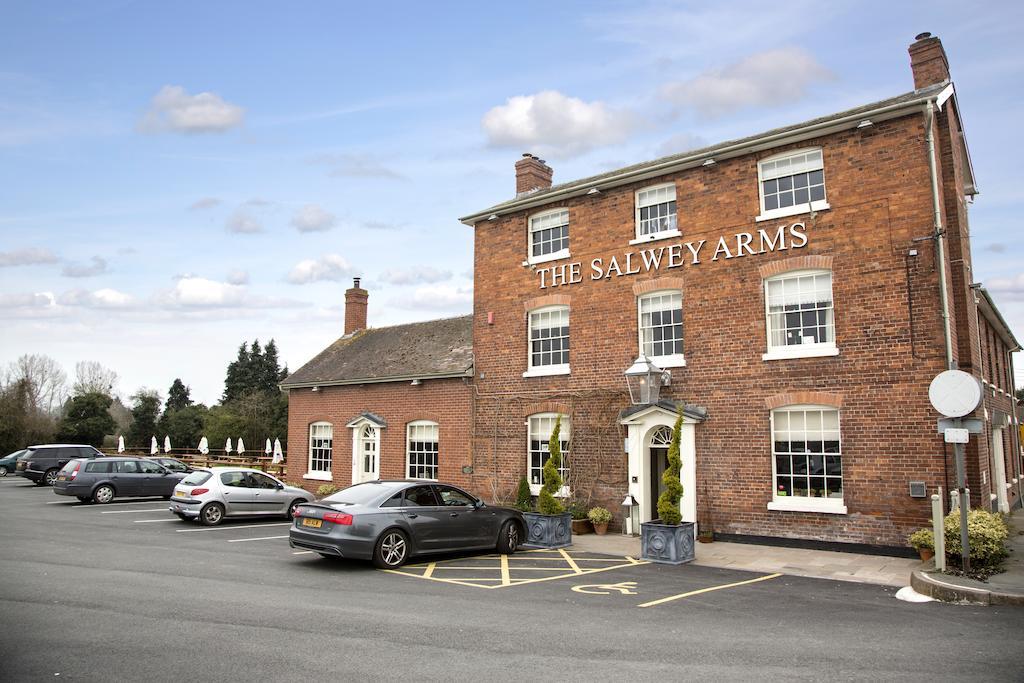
x: 42, y: 463
x: 210, y: 495
x: 9, y: 462
x: 101, y: 480
x: 390, y: 521
x: 173, y: 464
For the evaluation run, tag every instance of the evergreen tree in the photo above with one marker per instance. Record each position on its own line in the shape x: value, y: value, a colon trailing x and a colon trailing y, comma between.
x: 87, y: 419
x: 547, y: 504
x: 271, y: 369
x: 668, y: 501
x: 178, y: 397
x: 184, y: 426
x: 145, y: 411
x: 236, y: 383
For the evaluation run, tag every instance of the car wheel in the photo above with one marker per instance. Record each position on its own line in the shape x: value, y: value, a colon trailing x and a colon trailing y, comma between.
x: 391, y: 550
x: 50, y: 477
x: 3, y: 471
x: 291, y: 507
x: 508, y: 539
x: 103, y: 494
x: 212, y: 514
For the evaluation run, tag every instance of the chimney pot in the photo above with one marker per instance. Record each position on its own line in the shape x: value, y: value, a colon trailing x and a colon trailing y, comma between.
x: 922, y: 36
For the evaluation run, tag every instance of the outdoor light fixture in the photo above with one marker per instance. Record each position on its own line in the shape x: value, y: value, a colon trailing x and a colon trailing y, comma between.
x: 708, y: 162
x: 866, y: 123
x: 316, y: 388
x: 645, y: 380
x: 593, y: 190
x: 493, y: 217
x: 416, y: 382
x: 631, y: 513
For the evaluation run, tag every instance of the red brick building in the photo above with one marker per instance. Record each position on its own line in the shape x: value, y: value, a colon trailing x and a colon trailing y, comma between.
x: 802, y: 287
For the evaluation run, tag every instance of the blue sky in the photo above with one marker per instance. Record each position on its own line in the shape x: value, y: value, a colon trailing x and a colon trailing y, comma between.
x: 178, y: 177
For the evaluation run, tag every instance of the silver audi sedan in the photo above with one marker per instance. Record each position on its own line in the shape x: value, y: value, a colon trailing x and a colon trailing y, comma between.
x: 210, y: 495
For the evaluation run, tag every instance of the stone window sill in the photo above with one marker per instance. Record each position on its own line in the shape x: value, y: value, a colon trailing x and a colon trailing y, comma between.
x: 831, y: 506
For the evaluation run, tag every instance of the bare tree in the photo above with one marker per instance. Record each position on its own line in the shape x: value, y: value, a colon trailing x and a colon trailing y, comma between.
x: 44, y: 378
x: 91, y: 376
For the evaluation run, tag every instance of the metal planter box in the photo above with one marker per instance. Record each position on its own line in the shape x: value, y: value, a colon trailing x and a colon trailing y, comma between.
x: 666, y: 543
x: 548, y: 531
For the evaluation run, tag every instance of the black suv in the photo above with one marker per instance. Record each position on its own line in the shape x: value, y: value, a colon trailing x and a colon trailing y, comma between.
x: 42, y: 463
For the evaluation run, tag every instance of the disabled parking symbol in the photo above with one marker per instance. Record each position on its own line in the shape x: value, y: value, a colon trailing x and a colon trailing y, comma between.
x: 623, y: 588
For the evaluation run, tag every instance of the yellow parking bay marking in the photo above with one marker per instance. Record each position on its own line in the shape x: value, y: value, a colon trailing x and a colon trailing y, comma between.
x: 670, y: 598
x: 229, y: 528
x: 502, y: 571
x: 263, y: 538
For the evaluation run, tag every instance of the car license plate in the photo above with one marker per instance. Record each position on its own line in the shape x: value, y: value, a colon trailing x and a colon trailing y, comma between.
x: 315, y: 523
x: 62, y: 477
x: 180, y: 494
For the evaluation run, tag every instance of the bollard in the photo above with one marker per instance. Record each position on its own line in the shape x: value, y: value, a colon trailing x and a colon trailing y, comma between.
x: 938, y: 529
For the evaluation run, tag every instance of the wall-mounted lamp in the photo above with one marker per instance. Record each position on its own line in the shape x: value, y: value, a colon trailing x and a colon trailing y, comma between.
x: 708, y: 162
x: 416, y: 382
x: 593, y: 190
x: 316, y: 388
x: 493, y: 217
x: 866, y: 123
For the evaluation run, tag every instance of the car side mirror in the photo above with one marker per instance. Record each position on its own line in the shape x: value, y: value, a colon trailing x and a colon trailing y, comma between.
x: 279, y: 486
x: 478, y: 504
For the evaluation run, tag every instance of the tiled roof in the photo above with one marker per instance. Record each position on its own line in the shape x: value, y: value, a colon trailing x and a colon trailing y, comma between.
x: 435, y: 348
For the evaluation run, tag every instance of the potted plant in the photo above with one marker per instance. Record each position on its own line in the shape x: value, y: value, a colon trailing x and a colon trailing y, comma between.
x: 580, y: 523
x: 668, y: 539
x: 599, y: 517
x: 551, y: 525
x: 923, y: 541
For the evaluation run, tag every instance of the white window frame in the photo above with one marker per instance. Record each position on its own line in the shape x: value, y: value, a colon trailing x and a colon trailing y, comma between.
x: 815, y: 350
x: 409, y: 428
x: 565, y: 435
x: 674, y: 360
x: 555, y: 255
x: 319, y: 474
x: 835, y: 506
x: 544, y: 370
x: 796, y: 209
x: 663, y: 234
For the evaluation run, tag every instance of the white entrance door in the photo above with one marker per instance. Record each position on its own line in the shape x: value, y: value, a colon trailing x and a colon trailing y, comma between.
x: 368, y: 455
x: 999, y: 471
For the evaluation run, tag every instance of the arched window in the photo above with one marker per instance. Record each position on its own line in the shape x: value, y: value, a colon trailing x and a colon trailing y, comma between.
x: 661, y: 437
x: 321, y: 447
x: 421, y: 449
x: 369, y: 446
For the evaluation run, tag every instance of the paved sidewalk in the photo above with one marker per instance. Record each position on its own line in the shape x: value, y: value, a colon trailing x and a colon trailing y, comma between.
x: 821, y: 564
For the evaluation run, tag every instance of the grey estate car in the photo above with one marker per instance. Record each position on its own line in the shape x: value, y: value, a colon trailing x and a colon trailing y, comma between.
x: 389, y: 521
x: 100, y: 480
x: 210, y: 495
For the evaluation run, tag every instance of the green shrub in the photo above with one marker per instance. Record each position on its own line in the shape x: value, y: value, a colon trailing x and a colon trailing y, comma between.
x: 294, y: 484
x: 668, y: 501
x: 986, y: 532
x: 325, y: 490
x: 923, y: 539
x: 599, y: 515
x: 578, y: 509
x: 547, y: 504
x: 524, y: 499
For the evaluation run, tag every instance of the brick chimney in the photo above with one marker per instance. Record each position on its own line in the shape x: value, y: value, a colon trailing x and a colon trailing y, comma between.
x: 355, y: 307
x: 532, y: 174
x: 928, y: 61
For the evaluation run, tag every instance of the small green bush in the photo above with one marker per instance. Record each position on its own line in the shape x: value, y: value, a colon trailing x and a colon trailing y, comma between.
x: 986, y: 532
x: 668, y: 501
x: 524, y: 499
x: 599, y: 515
x: 923, y: 539
x: 547, y: 504
x: 578, y: 509
x: 325, y: 490
x: 294, y: 484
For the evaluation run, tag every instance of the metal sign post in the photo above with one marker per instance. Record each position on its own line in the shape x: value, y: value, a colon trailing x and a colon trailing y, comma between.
x: 955, y: 393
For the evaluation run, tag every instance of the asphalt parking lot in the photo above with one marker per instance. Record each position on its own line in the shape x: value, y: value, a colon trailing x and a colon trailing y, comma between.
x: 126, y: 591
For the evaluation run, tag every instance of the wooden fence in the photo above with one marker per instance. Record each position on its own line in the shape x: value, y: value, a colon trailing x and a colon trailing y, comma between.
x: 258, y: 460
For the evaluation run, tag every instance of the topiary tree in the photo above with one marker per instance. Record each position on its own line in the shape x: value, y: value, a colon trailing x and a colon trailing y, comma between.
x: 547, y: 504
x: 668, y: 501
x: 524, y: 499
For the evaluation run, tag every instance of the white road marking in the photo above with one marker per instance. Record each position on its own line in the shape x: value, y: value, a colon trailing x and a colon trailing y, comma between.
x: 229, y: 528
x: 151, y: 521
x: 303, y: 552
x: 78, y: 504
x: 121, y: 512
x: 263, y: 538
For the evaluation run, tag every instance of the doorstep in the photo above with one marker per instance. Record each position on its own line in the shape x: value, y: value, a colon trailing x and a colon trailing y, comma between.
x: 819, y: 564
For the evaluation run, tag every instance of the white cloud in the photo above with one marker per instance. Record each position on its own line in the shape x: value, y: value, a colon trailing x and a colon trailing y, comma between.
x: 381, y: 225
x: 100, y: 298
x: 328, y: 267
x: 313, y: 218
x: 173, y: 109
x: 438, y: 297
x: 200, y: 293
x: 204, y: 203
x: 349, y: 165
x: 32, y: 256
x: 553, y: 124
x: 243, y: 222
x: 26, y: 300
x: 238, y: 277
x: 96, y: 266
x: 766, y: 78
x: 1007, y: 287
x: 414, y: 275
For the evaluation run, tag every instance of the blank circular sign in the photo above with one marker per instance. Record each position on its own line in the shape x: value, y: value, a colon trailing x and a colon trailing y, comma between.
x: 955, y: 393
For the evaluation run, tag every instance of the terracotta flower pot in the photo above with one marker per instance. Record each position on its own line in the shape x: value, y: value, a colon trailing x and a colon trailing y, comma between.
x: 600, y: 529
x: 581, y: 526
x: 926, y: 553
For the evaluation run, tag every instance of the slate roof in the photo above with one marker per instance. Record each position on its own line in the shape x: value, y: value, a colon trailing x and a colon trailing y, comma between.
x: 435, y: 348
x: 628, y: 172
x: 694, y: 412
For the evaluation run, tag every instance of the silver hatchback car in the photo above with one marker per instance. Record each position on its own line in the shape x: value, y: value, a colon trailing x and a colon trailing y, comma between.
x: 210, y: 495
